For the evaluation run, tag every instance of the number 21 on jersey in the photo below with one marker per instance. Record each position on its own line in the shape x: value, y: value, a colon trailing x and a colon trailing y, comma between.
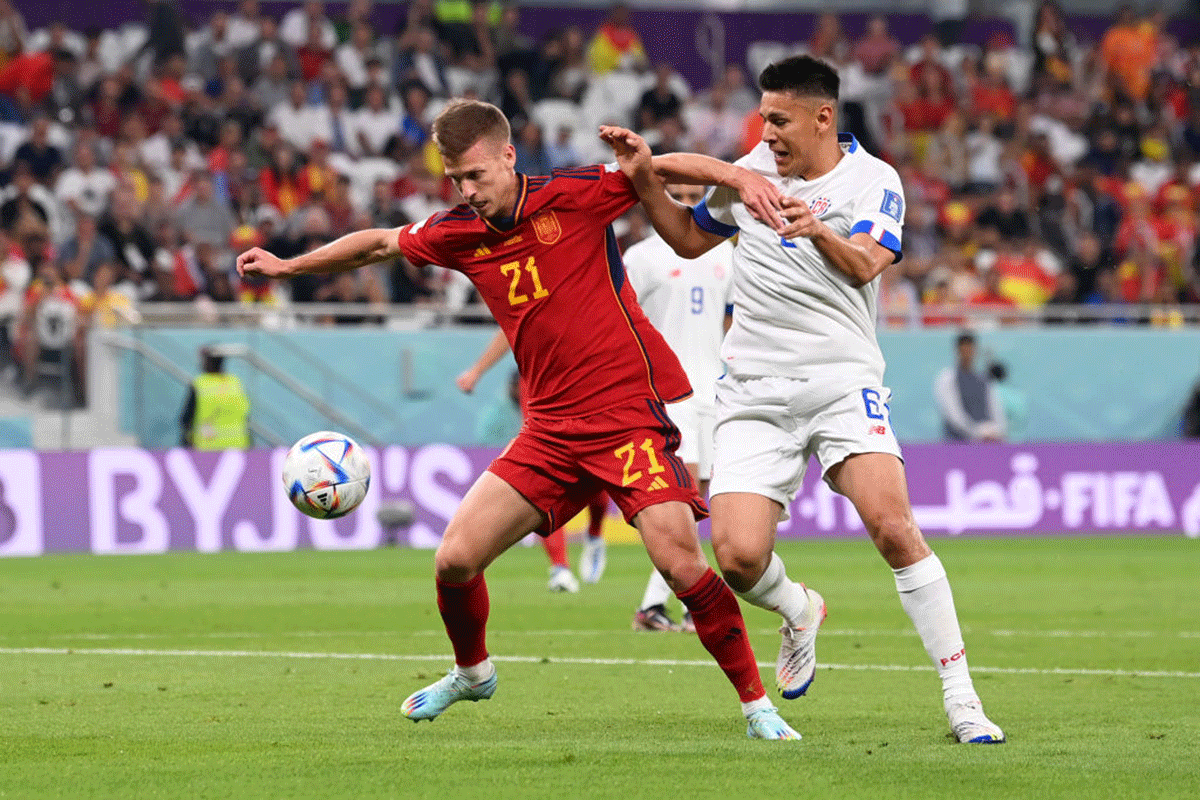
x: 517, y: 271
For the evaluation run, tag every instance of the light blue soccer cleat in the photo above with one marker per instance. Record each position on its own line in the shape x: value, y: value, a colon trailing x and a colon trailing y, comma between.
x: 435, y: 698
x: 593, y: 559
x: 797, y: 663
x: 767, y: 724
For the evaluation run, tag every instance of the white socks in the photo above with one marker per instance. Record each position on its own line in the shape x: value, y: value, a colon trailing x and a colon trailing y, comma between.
x: 757, y: 705
x: 657, y: 592
x: 477, y: 673
x: 926, y: 597
x: 776, y: 592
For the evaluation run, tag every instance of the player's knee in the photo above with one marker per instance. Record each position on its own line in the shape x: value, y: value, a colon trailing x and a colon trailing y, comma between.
x: 741, y: 567
x: 897, y: 536
x: 452, y: 563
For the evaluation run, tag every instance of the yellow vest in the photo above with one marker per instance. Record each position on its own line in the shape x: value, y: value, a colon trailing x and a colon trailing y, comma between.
x: 449, y: 11
x: 222, y: 410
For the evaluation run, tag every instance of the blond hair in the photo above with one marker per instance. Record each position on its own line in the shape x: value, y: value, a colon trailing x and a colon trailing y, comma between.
x: 462, y: 123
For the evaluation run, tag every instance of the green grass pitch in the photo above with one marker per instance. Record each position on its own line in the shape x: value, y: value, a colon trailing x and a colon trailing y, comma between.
x: 246, y: 676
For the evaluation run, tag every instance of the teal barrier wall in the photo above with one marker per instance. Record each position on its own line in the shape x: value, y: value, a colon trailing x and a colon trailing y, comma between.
x: 1082, y: 384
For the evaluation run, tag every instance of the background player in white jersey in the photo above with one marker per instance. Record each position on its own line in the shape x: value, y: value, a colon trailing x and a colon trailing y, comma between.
x: 687, y: 301
x: 805, y: 371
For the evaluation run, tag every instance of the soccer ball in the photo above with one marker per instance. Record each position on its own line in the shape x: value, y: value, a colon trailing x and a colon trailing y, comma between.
x: 326, y: 475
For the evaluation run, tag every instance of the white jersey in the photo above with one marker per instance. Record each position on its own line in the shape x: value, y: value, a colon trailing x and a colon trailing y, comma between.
x: 686, y: 300
x: 796, y: 315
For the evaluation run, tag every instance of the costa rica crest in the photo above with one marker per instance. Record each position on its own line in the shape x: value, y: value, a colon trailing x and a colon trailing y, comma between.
x: 819, y: 206
x: 546, y: 227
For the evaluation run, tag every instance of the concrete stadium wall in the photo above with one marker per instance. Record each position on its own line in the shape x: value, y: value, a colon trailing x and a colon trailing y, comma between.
x: 1082, y: 384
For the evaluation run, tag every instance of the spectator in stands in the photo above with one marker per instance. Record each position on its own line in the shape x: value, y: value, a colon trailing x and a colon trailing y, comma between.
x: 27, y: 205
x: 828, y: 41
x: 420, y: 61
x: 1128, y: 53
x: 50, y: 330
x: 104, y: 304
x: 307, y: 23
x: 660, y: 101
x: 516, y: 99
x: 617, y: 44
x: 272, y: 86
x: 85, y: 187
x: 216, y: 413
x: 1006, y: 216
x: 83, y: 253
x: 44, y: 159
x: 532, y: 158
x: 13, y: 33
x: 375, y: 124
x: 929, y: 72
x: 714, y: 128
x: 1054, y: 50
x: 970, y: 406
x: 133, y: 246
x: 984, y: 152
x: 352, y: 57
x: 204, y: 217
x: 898, y: 305
x: 561, y: 152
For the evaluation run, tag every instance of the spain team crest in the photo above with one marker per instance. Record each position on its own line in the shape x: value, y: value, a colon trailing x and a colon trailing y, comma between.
x: 546, y: 227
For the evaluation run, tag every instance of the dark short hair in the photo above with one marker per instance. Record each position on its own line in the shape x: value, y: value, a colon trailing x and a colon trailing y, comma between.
x: 803, y: 76
x: 966, y: 337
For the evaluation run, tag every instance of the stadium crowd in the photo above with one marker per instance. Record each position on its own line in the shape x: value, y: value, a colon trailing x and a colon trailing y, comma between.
x: 137, y: 161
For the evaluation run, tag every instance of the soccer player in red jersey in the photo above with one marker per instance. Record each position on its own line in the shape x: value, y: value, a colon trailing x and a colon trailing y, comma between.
x: 596, y: 374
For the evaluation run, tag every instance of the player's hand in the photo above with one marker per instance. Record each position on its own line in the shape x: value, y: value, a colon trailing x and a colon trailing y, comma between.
x: 467, y: 380
x: 800, y: 221
x: 759, y: 195
x: 257, y: 261
x: 631, y: 150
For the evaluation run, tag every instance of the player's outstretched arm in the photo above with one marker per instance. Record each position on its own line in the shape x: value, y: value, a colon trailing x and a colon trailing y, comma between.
x: 673, y: 221
x: 349, y: 252
x: 758, y: 194
x: 491, y: 355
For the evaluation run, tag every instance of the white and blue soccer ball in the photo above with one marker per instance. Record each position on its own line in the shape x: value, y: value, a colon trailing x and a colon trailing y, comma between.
x: 326, y: 475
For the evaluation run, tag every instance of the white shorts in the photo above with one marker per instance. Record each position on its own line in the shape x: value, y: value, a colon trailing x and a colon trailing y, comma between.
x: 766, y: 433
x: 695, y: 422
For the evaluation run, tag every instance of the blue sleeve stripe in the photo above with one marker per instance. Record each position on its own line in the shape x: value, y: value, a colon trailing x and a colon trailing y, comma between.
x: 729, y: 308
x: 706, y: 222
x: 880, y: 234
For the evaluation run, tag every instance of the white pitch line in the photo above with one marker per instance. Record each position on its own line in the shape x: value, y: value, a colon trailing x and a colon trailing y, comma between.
x: 844, y: 632
x: 652, y: 662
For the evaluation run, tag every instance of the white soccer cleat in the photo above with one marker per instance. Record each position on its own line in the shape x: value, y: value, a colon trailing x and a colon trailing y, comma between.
x: 593, y: 559
x: 563, y: 580
x: 971, y: 725
x: 797, y: 663
x: 435, y: 698
x: 767, y: 724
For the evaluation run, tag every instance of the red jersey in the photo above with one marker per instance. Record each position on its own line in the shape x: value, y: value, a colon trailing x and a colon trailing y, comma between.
x: 553, y: 278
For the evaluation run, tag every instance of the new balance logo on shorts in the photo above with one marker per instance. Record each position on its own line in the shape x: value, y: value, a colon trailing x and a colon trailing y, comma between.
x: 879, y: 430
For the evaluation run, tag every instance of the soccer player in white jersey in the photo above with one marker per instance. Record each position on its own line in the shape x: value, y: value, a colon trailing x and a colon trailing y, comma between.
x: 688, y: 301
x: 805, y: 373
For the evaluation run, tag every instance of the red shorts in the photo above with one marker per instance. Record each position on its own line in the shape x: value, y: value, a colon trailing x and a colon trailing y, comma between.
x: 559, y: 465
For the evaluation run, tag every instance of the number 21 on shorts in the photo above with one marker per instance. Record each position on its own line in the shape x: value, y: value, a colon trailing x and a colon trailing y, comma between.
x: 629, y: 453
